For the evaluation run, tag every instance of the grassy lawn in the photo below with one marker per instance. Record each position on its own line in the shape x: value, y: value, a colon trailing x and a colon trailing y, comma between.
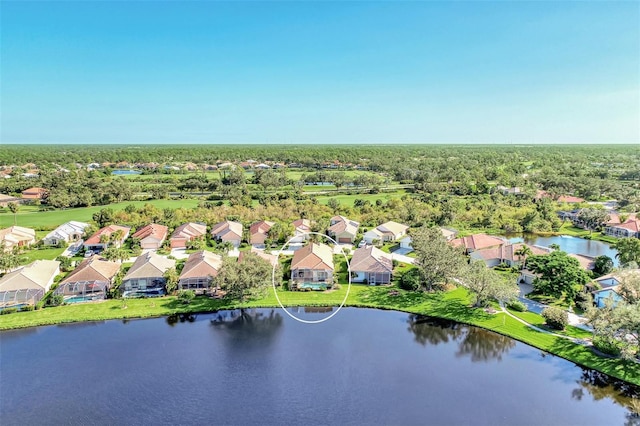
x: 347, y: 200
x: 40, y: 254
x: 453, y: 305
x: 32, y: 217
x: 538, y: 321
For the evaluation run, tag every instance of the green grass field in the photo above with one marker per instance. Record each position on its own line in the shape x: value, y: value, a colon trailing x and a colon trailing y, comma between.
x: 453, y: 305
x: 347, y: 200
x: 32, y: 217
x: 40, y: 254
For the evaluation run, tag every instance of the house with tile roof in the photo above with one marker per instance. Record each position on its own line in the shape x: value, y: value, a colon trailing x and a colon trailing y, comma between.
x: 69, y: 232
x: 371, y: 265
x: 146, y: 275
x: 505, y: 253
x: 300, y: 229
x: 6, y: 199
x: 151, y: 236
x: 34, y: 194
x: 102, y: 238
x: 187, y: 232
x: 272, y: 259
x: 228, y: 231
x: 343, y: 230
x: 28, y: 284
x: 90, y: 280
x: 475, y: 242
x: 199, y: 270
x: 388, y: 231
x: 629, y: 229
x: 312, y: 266
x: 259, y: 232
x: 16, y: 236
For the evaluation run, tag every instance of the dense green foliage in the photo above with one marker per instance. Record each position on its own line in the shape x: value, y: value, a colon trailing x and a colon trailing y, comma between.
x: 560, y: 275
x: 555, y: 317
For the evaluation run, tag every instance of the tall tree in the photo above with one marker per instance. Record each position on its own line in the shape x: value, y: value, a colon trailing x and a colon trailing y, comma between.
x: 523, y: 252
x: 602, y: 265
x: 13, y: 208
x: 628, y: 251
x: 560, y: 275
x: 485, y: 284
x: 437, y: 261
x: 244, y: 280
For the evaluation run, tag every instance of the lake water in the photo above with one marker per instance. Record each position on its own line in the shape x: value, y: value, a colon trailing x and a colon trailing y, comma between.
x: 125, y: 172
x: 262, y: 367
x: 571, y: 245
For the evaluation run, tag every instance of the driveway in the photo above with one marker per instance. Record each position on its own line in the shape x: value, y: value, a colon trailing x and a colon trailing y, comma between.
x: 402, y: 258
x: 537, y: 308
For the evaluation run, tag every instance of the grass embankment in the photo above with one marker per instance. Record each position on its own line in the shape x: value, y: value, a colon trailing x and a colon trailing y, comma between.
x: 453, y: 305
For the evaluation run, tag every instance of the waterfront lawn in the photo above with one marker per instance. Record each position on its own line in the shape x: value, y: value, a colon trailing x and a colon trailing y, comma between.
x: 537, y: 320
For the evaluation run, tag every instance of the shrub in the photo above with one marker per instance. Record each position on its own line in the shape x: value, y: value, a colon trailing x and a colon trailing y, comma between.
x: 8, y: 311
x: 26, y: 308
x: 607, y: 345
x: 517, y: 306
x: 411, y: 280
x: 54, y: 300
x: 186, y: 296
x: 555, y: 318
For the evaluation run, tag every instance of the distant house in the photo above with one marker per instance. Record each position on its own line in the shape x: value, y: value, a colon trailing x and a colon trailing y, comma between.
x: 228, y: 231
x: 343, y: 230
x: 270, y: 258
x: 448, y: 233
x: 475, y: 242
x: 6, y: 199
x: 527, y: 276
x: 91, y: 280
x: 34, y: 194
x: 505, y: 253
x: 371, y: 265
x: 199, y: 270
x: 405, y: 243
x: 586, y: 262
x: 602, y: 296
x: 259, y: 232
x: 187, y: 232
x: 146, y: 275
x: 151, y: 236
x: 16, y: 236
x: 560, y: 199
x: 508, y: 191
x: 628, y: 229
x: 388, y: 231
x: 28, y: 284
x: 312, y: 266
x: 301, y: 228
x: 102, y: 238
x: 69, y: 232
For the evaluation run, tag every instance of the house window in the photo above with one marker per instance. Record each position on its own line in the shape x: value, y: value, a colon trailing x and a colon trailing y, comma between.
x: 300, y: 274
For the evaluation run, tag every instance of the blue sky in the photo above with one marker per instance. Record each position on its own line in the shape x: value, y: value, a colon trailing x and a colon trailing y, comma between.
x: 320, y: 72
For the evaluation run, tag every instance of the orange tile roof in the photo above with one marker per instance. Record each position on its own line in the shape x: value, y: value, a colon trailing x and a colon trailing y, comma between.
x: 107, y: 230
x: 153, y: 230
x: 477, y: 241
x: 313, y: 256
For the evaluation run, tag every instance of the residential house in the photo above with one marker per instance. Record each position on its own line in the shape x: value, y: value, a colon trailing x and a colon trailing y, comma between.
x: 343, y: 230
x: 28, y: 284
x: 6, y: 199
x: 301, y: 228
x: 312, y: 267
x: 199, y: 270
x: 508, y: 191
x: 388, y: 231
x: 602, y: 296
x: 102, y: 238
x: 146, y: 275
x: 34, y: 194
x: 448, y: 233
x: 586, y: 262
x: 90, y: 280
x: 187, y: 232
x: 527, y: 276
x: 228, y: 231
x: 151, y: 236
x: 67, y: 233
x: 475, y: 242
x: 16, y: 236
x: 560, y: 199
x: 270, y: 258
x: 259, y: 232
x: 405, y: 243
x: 371, y: 265
x: 629, y: 229
x: 505, y: 253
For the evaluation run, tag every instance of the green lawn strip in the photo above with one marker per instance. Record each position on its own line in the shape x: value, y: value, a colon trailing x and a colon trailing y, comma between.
x: 40, y: 254
x: 538, y: 321
x: 453, y: 305
x: 50, y: 219
x: 348, y: 199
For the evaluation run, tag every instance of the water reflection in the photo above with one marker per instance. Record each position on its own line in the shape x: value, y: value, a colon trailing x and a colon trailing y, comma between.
x: 480, y: 345
x: 600, y: 386
x: 173, y: 319
x: 248, y: 326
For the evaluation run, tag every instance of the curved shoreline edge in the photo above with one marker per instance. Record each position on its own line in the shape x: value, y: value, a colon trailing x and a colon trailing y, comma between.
x: 452, y: 305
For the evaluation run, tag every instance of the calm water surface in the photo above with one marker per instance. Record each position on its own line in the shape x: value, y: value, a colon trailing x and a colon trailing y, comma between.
x: 262, y: 367
x: 571, y: 245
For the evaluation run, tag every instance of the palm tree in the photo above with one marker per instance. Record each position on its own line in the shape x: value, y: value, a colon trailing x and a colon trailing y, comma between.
x: 523, y: 251
x: 14, y: 207
x: 116, y: 237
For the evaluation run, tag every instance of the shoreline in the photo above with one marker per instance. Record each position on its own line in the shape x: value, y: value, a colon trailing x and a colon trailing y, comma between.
x: 451, y: 305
